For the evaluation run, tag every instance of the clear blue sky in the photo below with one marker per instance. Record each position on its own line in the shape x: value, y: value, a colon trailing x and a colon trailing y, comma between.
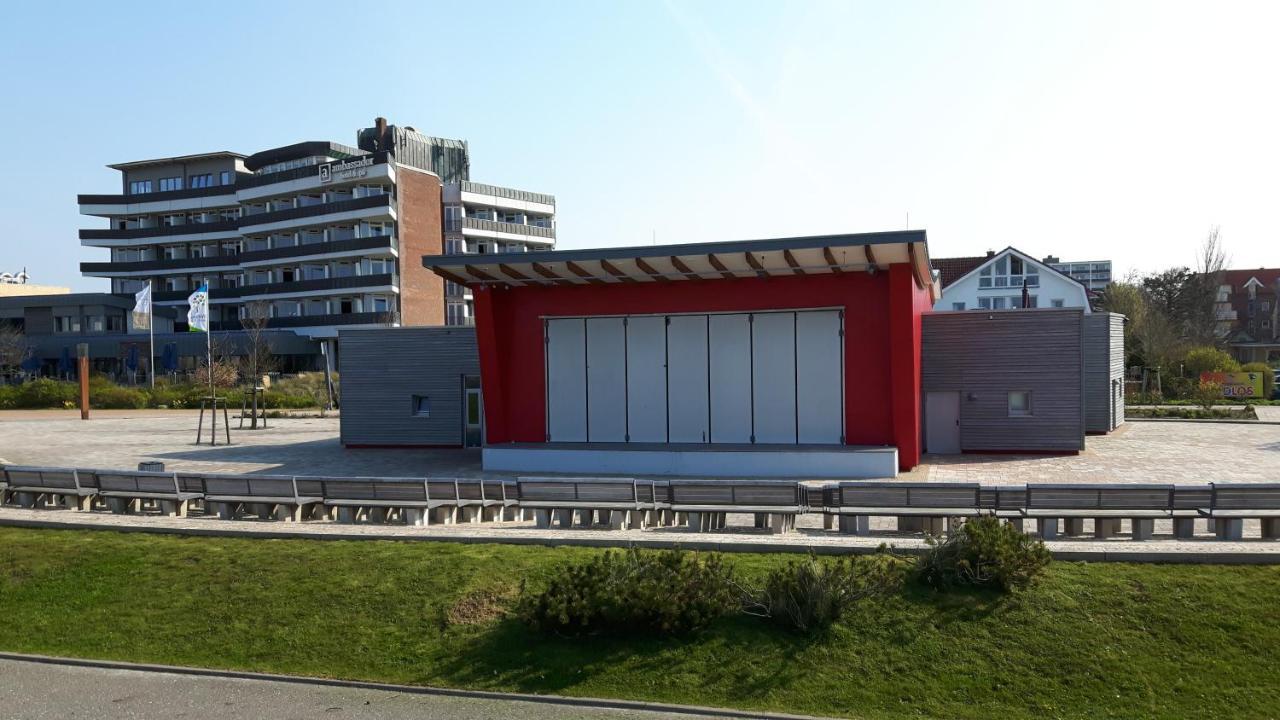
x: 1121, y: 130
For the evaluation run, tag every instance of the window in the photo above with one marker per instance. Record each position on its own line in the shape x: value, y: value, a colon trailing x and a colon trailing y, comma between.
x: 228, y: 215
x: 452, y: 218
x: 1020, y: 403
x: 379, y: 304
x: 95, y: 323
x: 138, y: 187
x: 1266, y: 306
x: 957, y: 306
x: 225, y: 177
x: 202, y: 181
x: 456, y: 314
x: 66, y: 324
x: 1057, y: 302
x: 984, y: 303
x: 115, y: 323
x: 170, y: 183
x: 172, y: 220
x: 420, y: 406
x: 454, y: 246
x: 998, y: 303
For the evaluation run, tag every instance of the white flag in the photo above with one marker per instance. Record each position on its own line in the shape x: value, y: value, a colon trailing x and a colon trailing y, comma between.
x: 198, y: 315
x: 142, y: 308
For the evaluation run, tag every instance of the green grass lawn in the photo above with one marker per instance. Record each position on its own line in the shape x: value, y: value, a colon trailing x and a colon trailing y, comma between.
x: 1101, y: 640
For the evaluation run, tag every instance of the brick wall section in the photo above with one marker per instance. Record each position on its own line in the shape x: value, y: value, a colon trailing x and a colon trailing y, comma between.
x: 421, y: 233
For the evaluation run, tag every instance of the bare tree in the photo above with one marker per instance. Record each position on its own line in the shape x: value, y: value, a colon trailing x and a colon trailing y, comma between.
x: 258, y: 359
x: 14, y: 347
x: 1202, y: 320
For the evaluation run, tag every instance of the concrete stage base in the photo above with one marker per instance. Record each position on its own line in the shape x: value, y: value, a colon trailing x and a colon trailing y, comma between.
x: 695, y: 460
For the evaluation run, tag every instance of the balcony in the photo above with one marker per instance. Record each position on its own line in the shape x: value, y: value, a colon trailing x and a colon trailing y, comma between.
x: 161, y: 296
x: 110, y: 269
x: 218, y: 196
x: 297, y: 321
x: 506, y: 193
x: 374, y: 245
x: 309, y: 286
x: 378, y: 204
x: 494, y: 228
x: 231, y: 227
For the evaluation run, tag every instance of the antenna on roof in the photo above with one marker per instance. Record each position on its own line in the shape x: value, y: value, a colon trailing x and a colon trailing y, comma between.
x: 908, y: 227
x: 653, y: 240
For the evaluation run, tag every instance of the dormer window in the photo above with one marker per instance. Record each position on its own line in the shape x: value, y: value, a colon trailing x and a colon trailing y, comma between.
x: 1008, y: 271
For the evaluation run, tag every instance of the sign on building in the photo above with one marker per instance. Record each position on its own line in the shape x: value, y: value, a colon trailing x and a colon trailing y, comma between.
x: 1236, y: 384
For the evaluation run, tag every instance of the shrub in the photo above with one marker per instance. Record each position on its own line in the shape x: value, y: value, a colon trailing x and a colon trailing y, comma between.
x: 1207, y: 394
x: 1268, y: 377
x: 1180, y: 388
x: 46, y: 393
x: 984, y: 552
x: 1208, y: 359
x: 810, y: 595
x: 115, y: 397
x: 627, y: 591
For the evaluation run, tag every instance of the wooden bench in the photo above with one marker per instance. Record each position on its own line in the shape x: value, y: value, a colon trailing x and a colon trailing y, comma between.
x: 264, y: 496
x: 1233, y: 503
x: 36, y: 487
x: 618, y: 502
x: 918, y: 507
x: 705, y: 504
x: 126, y: 491
x: 1107, y: 505
x: 406, y: 500
x: 1189, y: 503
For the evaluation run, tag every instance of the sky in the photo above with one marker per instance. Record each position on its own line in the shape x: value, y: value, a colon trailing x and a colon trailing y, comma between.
x: 1088, y: 130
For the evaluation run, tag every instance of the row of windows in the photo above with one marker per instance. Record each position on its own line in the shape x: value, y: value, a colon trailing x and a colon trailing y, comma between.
x: 93, y: 323
x: 166, y: 184
x: 1003, y: 303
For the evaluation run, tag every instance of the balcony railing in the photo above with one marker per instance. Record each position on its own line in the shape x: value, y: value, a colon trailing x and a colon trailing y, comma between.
x: 379, y: 242
x: 506, y: 227
x: 509, y: 193
x: 296, y: 321
x: 183, y: 194
x: 214, y: 294
x: 373, y: 201
x: 160, y: 231
x: 299, y: 173
x: 178, y: 264
x: 299, y: 286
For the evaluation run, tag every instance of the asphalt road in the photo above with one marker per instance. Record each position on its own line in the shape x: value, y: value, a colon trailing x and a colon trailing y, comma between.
x: 40, y: 691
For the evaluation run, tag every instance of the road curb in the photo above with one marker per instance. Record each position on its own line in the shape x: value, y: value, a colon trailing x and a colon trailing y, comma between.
x: 581, y: 702
x: 1132, y: 553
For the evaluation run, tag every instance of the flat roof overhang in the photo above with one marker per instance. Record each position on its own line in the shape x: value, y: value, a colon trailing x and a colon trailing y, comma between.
x: 777, y: 257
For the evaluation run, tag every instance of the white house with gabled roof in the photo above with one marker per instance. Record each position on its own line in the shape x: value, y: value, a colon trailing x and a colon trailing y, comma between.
x: 998, y: 284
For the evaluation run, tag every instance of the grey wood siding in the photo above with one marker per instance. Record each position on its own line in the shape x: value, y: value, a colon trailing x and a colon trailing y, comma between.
x: 984, y: 355
x: 382, y: 369
x: 1104, y: 372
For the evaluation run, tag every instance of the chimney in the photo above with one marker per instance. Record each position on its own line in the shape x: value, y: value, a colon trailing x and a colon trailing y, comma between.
x: 991, y: 253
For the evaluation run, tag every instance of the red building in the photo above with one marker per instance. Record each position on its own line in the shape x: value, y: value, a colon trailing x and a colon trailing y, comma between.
x: 781, y: 357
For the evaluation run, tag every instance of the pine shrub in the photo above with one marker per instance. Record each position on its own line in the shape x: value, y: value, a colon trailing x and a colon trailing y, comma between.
x: 621, y: 592
x: 983, y: 552
x: 810, y: 595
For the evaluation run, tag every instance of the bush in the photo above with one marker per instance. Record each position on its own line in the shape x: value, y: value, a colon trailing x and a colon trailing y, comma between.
x: 115, y: 397
x: 984, y: 552
x: 46, y: 393
x: 1208, y: 359
x: 628, y: 591
x: 810, y: 595
x: 1180, y: 388
x: 1268, y: 377
x: 1207, y: 394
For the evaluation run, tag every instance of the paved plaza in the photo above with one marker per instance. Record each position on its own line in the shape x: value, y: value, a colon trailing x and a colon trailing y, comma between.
x: 1163, y: 452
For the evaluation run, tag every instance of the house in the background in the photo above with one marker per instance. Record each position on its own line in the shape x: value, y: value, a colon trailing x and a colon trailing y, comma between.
x: 1093, y: 274
x: 1248, y: 312
x: 1008, y: 279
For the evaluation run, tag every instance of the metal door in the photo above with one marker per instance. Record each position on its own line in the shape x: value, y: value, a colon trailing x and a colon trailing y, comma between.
x: 942, y: 422
x: 472, y: 418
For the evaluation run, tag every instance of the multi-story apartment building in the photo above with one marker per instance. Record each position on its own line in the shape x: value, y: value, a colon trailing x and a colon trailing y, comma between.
x: 1248, y: 313
x: 1093, y: 274
x: 317, y: 235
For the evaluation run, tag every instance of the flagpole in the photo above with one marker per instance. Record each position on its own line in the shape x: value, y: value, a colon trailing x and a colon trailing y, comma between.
x: 151, y: 359
x: 208, y: 333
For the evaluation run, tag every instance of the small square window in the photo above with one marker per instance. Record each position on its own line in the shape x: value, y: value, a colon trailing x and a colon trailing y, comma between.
x: 1057, y: 302
x: 1019, y: 403
x: 421, y: 406
x: 957, y: 306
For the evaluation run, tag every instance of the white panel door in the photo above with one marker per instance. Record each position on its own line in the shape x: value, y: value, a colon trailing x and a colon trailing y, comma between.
x: 647, y: 379
x: 566, y: 380
x: 687, y: 392
x: 818, y: 373
x: 773, y: 377
x: 730, y: 378
x: 606, y: 380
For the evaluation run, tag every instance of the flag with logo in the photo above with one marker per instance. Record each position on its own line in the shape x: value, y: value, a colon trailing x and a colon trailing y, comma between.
x: 142, y: 308
x: 198, y: 315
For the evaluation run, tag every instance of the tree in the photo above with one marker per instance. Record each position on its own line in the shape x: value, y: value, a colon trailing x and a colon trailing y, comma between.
x: 1208, y: 359
x: 258, y: 359
x: 14, y: 347
x: 1187, y: 298
x: 1125, y: 298
x: 1208, y: 394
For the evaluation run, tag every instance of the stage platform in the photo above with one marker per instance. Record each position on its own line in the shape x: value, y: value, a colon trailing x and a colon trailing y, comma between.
x: 695, y: 460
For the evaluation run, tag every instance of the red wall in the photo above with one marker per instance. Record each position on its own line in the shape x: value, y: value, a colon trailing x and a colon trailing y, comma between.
x: 882, y: 342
